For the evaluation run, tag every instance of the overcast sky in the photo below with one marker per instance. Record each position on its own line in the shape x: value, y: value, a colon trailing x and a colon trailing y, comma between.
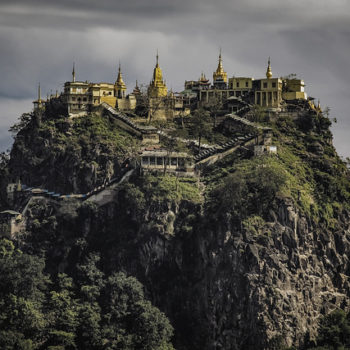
x: 41, y: 38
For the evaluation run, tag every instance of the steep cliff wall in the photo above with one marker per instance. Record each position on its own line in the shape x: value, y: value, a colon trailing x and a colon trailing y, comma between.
x: 222, y: 286
x: 249, y: 256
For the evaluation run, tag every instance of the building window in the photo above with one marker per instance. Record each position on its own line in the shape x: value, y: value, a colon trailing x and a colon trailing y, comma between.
x: 73, y: 98
x: 159, y: 160
x: 84, y: 99
x: 273, y: 85
x: 152, y: 160
x: 174, y: 161
x: 265, y: 85
x: 246, y: 84
x: 237, y: 84
x: 144, y: 160
x: 110, y: 93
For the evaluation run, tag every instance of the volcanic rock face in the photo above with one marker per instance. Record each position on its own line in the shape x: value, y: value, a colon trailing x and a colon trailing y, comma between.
x: 276, y: 284
x: 255, y: 273
x: 225, y: 288
x: 223, y: 285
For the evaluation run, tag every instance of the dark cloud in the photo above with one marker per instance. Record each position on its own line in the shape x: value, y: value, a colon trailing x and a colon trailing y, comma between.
x: 40, y: 39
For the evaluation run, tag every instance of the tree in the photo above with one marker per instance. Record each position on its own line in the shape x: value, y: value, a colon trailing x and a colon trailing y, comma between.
x: 130, y: 321
x: 24, y: 121
x: 201, y: 125
x: 63, y: 315
x: 22, y: 296
x: 334, y: 331
x: 259, y: 113
x: 146, y: 105
x: 214, y: 105
x: 171, y: 144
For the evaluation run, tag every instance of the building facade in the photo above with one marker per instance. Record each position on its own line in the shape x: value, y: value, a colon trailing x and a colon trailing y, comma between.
x: 81, y: 96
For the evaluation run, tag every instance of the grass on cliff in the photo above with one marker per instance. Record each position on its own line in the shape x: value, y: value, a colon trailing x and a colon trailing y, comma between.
x: 170, y: 188
x: 94, y: 129
x: 305, y: 146
x: 70, y: 155
x: 306, y: 169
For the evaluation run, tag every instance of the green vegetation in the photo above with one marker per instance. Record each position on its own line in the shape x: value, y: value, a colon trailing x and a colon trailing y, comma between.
x: 91, y: 311
x: 306, y: 170
x: 334, y: 332
x: 70, y: 155
x: 254, y: 224
x: 201, y: 126
x: 166, y: 188
x: 161, y: 228
x: 251, y: 188
x: 305, y: 147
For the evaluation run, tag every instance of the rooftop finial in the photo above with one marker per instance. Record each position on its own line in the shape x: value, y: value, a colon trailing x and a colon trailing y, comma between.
x: 268, y: 71
x: 157, y: 57
x: 220, y: 68
x: 73, y: 72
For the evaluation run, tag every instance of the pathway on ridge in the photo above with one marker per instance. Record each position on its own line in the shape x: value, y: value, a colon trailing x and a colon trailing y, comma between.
x: 107, y: 195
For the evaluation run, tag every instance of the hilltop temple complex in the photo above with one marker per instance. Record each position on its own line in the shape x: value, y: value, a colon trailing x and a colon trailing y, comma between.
x: 81, y: 97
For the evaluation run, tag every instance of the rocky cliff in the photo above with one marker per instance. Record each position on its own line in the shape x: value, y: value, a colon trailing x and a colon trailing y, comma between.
x: 247, y: 257
x: 68, y: 155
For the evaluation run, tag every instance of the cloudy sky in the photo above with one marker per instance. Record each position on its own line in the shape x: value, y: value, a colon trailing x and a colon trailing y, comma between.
x: 41, y: 38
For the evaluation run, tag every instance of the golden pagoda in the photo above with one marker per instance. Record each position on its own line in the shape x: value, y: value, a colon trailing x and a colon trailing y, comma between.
x: 220, y: 75
x: 268, y: 70
x: 119, y: 85
x: 157, y: 87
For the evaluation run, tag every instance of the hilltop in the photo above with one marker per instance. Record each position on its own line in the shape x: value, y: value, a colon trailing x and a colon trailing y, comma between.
x: 242, y: 242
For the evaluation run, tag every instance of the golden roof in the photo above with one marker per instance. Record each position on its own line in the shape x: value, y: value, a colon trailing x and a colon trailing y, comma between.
x: 268, y: 70
x: 120, y: 82
x: 220, y: 69
x: 157, y: 87
x: 157, y: 73
x: 220, y: 74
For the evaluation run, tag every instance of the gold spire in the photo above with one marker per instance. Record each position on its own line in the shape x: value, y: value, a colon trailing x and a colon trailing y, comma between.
x: 119, y: 85
x: 157, y: 87
x: 73, y: 73
x: 120, y: 80
x: 220, y: 68
x: 220, y: 74
x: 268, y: 70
